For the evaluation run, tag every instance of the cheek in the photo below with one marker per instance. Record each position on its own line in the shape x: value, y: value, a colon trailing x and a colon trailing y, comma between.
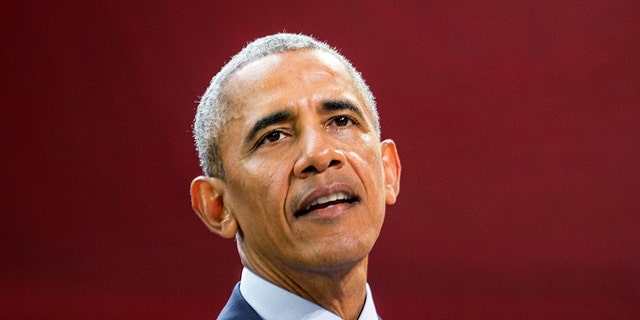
x: 258, y: 190
x: 366, y: 160
x: 268, y: 178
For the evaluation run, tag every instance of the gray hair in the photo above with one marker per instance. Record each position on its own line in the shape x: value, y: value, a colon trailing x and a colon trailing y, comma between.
x: 214, y: 108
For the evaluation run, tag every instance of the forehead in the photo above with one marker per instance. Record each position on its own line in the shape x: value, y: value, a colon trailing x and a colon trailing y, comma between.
x: 288, y: 60
x: 283, y: 75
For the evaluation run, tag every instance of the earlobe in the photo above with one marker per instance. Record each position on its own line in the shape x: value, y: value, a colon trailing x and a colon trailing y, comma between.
x: 392, y: 169
x: 207, y: 202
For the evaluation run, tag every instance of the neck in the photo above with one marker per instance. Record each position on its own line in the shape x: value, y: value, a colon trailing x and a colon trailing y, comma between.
x: 339, y: 290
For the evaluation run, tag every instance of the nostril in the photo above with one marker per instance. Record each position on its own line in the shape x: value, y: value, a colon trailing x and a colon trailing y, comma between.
x: 310, y: 169
x: 314, y: 169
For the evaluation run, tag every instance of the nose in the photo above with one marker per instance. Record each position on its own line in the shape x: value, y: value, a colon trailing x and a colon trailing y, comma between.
x: 318, y: 153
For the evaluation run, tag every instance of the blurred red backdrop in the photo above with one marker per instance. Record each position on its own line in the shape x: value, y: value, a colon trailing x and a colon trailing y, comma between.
x: 518, y: 125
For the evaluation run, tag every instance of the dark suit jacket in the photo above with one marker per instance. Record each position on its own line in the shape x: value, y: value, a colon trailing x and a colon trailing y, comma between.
x: 237, y: 308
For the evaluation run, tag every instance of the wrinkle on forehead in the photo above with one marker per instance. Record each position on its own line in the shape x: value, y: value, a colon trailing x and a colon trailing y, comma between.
x: 310, y: 75
x: 254, y: 72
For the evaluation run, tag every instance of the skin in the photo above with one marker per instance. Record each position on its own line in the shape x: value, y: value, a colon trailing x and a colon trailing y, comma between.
x: 300, y: 132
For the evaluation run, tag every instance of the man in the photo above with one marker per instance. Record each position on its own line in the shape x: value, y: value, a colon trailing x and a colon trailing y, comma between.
x: 289, y: 140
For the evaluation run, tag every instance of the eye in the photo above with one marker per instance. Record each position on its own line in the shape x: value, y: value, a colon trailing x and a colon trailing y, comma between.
x: 343, y: 121
x: 272, y: 136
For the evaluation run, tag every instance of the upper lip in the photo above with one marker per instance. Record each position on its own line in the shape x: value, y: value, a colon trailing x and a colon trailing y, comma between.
x: 324, y: 195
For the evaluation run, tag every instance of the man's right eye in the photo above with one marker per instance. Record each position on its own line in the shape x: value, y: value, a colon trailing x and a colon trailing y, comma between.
x: 272, y: 136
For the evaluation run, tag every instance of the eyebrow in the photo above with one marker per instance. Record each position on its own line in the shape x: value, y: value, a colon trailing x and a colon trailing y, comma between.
x: 340, y: 105
x: 269, y: 120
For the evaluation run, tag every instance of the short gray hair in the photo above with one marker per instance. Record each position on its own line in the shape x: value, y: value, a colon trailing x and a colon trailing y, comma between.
x: 214, y: 108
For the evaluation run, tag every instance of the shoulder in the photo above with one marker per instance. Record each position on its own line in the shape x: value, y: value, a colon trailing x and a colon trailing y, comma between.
x: 237, y: 308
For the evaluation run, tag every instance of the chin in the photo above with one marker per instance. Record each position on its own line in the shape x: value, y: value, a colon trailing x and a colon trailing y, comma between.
x: 338, y: 256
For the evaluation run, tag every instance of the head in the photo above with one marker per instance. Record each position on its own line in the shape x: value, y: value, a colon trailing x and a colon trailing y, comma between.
x: 214, y: 108
x: 304, y: 178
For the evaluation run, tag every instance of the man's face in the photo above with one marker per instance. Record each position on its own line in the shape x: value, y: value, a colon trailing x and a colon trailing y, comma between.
x: 305, y: 176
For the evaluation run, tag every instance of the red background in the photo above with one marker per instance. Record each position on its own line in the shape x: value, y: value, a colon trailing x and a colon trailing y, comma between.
x: 518, y: 125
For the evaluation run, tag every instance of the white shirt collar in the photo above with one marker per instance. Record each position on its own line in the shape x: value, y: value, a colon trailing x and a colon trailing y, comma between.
x: 274, y: 303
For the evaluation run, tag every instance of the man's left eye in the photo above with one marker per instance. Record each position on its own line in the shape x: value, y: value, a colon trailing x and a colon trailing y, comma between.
x: 343, y: 121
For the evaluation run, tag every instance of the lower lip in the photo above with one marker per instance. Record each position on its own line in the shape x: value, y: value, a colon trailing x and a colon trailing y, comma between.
x: 329, y: 212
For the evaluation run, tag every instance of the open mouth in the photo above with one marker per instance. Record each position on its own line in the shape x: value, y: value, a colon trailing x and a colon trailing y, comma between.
x: 328, y: 201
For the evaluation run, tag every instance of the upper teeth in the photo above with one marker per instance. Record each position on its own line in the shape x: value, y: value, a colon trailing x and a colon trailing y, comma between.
x: 333, y: 197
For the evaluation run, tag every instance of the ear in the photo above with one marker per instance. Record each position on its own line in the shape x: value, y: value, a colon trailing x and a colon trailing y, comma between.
x: 391, y: 166
x: 207, y: 202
